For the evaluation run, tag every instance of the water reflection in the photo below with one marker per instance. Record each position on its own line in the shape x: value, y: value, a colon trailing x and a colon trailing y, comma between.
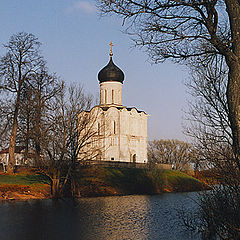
x: 125, y: 217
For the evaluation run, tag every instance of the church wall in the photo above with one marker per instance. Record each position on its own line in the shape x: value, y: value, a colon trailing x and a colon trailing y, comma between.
x: 111, y: 93
x: 122, y: 134
x: 112, y: 137
x: 91, y: 134
x: 133, y: 135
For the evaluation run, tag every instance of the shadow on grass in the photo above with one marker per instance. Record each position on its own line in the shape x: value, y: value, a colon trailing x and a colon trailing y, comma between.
x: 24, y: 179
x: 131, y: 181
x: 102, y: 181
x: 38, y: 178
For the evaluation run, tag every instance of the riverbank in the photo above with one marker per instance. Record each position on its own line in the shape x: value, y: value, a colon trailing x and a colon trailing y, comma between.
x: 24, y: 186
x: 97, y: 181
x: 100, y: 181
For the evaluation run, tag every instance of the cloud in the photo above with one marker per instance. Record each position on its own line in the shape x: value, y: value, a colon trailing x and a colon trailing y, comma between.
x: 82, y: 6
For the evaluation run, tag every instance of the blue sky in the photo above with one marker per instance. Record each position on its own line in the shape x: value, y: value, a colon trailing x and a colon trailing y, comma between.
x: 75, y: 43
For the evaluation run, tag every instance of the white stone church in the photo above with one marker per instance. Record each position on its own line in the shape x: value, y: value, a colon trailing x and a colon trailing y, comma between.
x: 122, y: 130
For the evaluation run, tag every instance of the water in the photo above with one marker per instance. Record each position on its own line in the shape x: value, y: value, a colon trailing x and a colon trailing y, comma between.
x: 110, y: 218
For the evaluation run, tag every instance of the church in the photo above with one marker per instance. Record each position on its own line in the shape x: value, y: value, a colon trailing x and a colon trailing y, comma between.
x: 121, y: 130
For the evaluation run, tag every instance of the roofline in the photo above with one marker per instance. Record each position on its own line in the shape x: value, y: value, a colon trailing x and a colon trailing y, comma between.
x: 118, y: 107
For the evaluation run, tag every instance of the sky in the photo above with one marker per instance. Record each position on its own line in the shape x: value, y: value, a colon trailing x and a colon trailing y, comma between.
x: 75, y: 42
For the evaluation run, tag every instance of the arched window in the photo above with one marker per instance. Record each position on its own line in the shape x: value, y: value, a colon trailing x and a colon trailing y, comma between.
x: 112, y: 96
x: 114, y: 127
x: 102, y: 96
x: 105, y: 96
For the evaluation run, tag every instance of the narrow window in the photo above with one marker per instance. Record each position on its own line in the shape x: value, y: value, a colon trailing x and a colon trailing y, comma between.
x: 112, y: 96
x: 102, y: 96
x: 105, y: 96
x: 112, y: 158
x: 98, y: 128
x: 114, y: 127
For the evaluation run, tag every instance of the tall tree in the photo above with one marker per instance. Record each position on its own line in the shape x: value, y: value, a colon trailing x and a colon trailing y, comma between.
x: 45, y: 88
x: 67, y: 133
x: 6, y: 113
x: 189, y: 30
x: 36, y: 103
x: 20, y: 61
x: 218, y: 213
x: 207, y: 118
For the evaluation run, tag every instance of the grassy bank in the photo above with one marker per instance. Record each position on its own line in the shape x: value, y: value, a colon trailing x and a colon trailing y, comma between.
x: 97, y: 181
x: 100, y: 181
x: 29, y: 185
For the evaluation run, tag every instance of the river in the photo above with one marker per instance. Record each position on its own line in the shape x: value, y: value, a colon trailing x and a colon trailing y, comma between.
x: 120, y: 217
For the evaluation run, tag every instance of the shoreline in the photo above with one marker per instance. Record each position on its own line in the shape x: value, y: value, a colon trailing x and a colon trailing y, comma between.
x: 22, y: 192
x: 101, y: 182
x: 38, y: 195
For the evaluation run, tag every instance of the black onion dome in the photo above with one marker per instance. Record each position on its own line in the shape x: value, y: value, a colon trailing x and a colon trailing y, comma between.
x: 111, y: 73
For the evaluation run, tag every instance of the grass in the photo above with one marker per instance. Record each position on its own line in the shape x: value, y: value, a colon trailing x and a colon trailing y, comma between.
x: 24, y: 185
x: 23, y: 179
x: 136, y: 181
x: 177, y: 181
x: 104, y: 181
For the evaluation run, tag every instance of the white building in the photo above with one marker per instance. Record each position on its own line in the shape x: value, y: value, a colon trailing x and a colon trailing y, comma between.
x: 122, y: 131
x: 19, y: 156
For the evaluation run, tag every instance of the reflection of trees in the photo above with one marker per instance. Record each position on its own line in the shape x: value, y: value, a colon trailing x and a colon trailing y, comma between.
x: 142, y: 217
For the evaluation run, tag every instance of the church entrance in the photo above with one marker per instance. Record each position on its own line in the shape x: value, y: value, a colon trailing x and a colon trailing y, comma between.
x: 134, y: 158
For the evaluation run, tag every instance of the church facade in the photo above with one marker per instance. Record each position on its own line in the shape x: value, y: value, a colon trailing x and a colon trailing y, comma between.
x: 121, y: 131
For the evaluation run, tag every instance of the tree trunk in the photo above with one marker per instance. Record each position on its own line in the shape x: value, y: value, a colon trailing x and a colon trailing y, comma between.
x: 27, y: 139
x: 38, y: 151
x: 38, y: 129
x: 56, y: 185
x: 233, y: 98
x: 233, y: 62
x: 12, y: 144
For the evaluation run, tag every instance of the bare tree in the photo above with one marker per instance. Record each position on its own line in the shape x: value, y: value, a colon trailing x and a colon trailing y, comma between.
x: 218, y: 213
x: 68, y: 132
x: 21, y: 60
x: 207, y: 117
x: 178, y: 153
x: 189, y: 30
x: 25, y: 121
x: 6, y: 113
x: 44, y: 87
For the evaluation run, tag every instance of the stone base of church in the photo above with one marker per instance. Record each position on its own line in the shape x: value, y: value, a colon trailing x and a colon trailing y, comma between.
x: 126, y: 164
x: 116, y: 164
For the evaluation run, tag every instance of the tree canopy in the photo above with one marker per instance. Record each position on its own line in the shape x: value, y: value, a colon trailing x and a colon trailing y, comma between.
x: 180, y: 29
x: 192, y: 32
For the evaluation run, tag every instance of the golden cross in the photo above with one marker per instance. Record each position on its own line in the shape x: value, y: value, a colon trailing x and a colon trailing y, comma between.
x: 111, y: 44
